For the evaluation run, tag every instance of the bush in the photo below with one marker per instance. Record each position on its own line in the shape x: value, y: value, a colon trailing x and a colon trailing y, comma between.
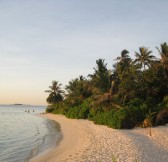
x: 132, y: 114
x: 73, y: 112
x: 119, y: 119
x: 94, y: 111
x: 84, y: 110
x: 79, y: 112
x: 50, y: 109
x: 101, y: 118
x: 122, y: 119
x: 59, y: 108
x: 114, y: 118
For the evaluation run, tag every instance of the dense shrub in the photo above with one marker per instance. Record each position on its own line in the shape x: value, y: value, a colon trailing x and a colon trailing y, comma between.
x: 59, y: 108
x: 79, y: 112
x: 94, y: 111
x: 84, y: 110
x: 73, y: 112
x: 103, y: 118
x: 126, y: 117
x: 50, y: 108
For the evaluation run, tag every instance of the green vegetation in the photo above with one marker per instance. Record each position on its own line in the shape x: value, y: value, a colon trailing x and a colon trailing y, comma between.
x: 130, y: 94
x: 56, y: 94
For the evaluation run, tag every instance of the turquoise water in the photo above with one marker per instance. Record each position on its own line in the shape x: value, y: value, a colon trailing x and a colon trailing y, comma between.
x: 24, y: 135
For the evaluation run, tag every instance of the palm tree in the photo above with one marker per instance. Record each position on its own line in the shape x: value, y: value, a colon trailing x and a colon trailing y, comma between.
x: 124, y: 58
x: 164, y: 55
x: 56, y: 94
x: 100, y: 77
x: 124, y: 61
x: 79, y: 87
x: 81, y: 78
x: 144, y: 58
x: 123, y: 64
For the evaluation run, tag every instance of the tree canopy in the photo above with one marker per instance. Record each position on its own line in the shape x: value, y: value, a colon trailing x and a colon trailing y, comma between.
x: 121, y: 97
x: 56, y: 94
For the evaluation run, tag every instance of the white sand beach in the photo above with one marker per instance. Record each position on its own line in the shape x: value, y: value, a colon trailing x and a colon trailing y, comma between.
x: 83, y: 141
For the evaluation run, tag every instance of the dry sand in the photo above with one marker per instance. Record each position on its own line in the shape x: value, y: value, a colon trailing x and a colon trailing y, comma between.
x: 83, y: 141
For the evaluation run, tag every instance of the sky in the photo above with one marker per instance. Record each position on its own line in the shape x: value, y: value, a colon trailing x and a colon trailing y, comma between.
x: 46, y: 40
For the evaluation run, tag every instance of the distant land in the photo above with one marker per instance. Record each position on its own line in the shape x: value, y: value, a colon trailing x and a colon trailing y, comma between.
x: 19, y: 104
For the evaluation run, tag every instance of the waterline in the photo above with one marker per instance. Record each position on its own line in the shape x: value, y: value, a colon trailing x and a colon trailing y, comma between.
x: 25, y: 135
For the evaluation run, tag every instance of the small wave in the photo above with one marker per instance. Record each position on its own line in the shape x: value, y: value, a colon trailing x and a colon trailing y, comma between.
x: 48, y: 140
x: 23, y: 135
x: 33, y: 153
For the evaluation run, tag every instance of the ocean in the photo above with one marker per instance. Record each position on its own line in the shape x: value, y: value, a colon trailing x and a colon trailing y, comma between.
x: 23, y: 134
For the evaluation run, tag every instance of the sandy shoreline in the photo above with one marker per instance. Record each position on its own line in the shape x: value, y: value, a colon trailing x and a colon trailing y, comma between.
x: 84, y: 141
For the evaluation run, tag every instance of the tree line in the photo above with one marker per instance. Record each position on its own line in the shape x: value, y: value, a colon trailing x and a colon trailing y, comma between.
x: 133, y: 93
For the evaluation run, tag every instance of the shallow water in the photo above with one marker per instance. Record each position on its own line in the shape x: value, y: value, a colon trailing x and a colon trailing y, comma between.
x: 23, y: 135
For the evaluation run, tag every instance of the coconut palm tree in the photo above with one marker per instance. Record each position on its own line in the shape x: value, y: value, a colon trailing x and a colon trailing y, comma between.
x: 144, y: 58
x: 124, y: 61
x: 71, y: 88
x: 163, y: 51
x: 79, y: 87
x: 100, y: 77
x: 124, y: 58
x: 56, y: 94
x: 123, y: 64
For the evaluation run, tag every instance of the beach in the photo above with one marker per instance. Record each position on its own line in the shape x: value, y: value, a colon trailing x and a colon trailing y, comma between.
x: 83, y: 141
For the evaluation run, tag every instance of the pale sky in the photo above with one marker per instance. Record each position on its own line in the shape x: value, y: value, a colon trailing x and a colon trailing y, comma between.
x: 45, y: 40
